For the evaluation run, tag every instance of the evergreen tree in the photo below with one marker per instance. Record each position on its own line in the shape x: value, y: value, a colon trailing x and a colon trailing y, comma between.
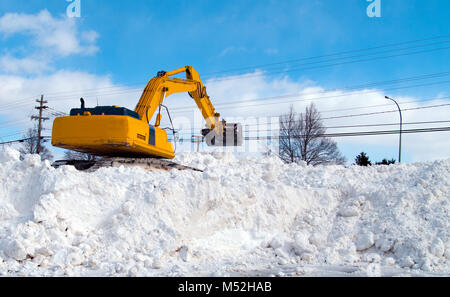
x: 363, y: 160
x: 386, y: 162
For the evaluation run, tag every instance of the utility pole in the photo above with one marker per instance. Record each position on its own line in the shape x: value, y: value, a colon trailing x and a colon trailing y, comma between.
x: 40, y: 119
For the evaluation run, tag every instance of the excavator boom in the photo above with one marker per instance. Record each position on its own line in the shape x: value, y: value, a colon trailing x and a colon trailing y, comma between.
x: 164, y: 85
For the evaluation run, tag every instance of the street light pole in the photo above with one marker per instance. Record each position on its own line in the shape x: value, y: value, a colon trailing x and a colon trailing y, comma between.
x: 401, y: 123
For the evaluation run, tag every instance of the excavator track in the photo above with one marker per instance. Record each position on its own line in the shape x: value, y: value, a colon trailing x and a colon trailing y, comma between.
x: 150, y: 164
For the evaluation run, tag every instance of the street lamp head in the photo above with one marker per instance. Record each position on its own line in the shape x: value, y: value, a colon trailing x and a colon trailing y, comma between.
x: 387, y: 97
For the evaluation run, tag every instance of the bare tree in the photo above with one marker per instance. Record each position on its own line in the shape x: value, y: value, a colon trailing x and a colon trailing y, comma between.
x: 288, y: 147
x: 72, y: 155
x: 30, y: 145
x: 301, y: 139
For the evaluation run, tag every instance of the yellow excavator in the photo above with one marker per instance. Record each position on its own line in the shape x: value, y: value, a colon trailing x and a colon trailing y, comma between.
x: 118, y: 133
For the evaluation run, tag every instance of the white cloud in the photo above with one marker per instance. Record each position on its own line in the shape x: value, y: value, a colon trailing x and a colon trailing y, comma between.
x: 89, y: 36
x: 44, y: 39
x: 59, y: 35
x: 62, y: 89
x: 28, y: 65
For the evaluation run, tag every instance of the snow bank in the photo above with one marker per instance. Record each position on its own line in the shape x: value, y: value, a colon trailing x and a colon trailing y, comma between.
x: 238, y: 217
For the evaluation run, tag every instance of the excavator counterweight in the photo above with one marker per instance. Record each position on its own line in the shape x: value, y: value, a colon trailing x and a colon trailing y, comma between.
x: 114, y: 131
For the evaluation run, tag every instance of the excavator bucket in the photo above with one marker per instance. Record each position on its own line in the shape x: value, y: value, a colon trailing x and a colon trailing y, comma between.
x: 232, y: 136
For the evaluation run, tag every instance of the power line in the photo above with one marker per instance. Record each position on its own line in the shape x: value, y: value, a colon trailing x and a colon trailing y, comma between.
x: 329, y: 55
x: 358, y: 56
x: 329, y: 65
x: 358, y: 126
x: 49, y: 95
x: 23, y: 140
x: 359, y: 114
x: 429, y: 76
x: 331, y: 127
x: 17, y: 133
x: 371, y: 84
x: 363, y: 133
x: 277, y: 63
x: 392, y: 124
x: 330, y: 135
x: 14, y: 123
x: 372, y: 113
x: 364, y: 114
x: 389, y: 111
x: 372, y: 106
x: 296, y: 60
x: 56, y: 113
x: 311, y: 63
x: 355, y: 134
x: 132, y: 90
x: 378, y: 112
x: 233, y: 103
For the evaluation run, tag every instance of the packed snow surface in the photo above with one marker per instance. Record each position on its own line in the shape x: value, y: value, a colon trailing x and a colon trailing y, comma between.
x: 243, y: 216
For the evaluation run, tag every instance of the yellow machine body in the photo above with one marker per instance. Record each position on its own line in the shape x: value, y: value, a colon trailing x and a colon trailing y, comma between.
x: 118, y: 131
x: 111, y: 135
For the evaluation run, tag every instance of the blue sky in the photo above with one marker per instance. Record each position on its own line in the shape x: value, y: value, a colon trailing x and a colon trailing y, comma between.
x: 138, y: 38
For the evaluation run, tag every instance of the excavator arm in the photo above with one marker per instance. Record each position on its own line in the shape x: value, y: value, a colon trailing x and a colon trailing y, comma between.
x: 164, y: 85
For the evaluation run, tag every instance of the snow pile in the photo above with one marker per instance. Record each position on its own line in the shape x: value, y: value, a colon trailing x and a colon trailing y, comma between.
x: 239, y: 217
